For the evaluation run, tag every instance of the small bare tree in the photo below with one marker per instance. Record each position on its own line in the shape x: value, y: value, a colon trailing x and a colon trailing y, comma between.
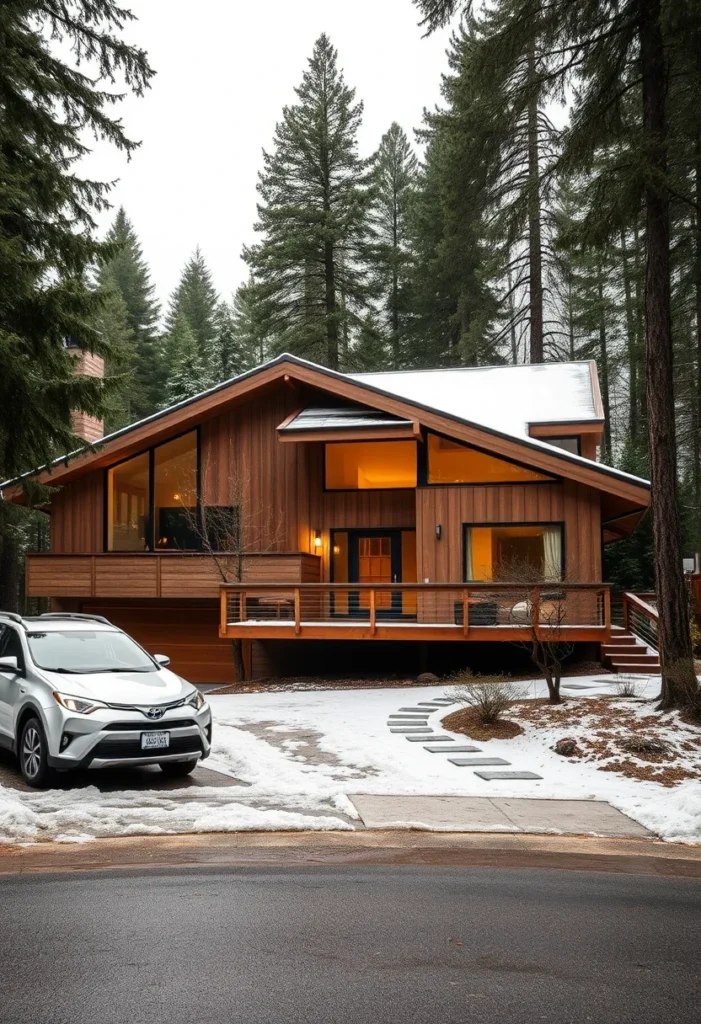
x: 541, y: 605
x: 234, y: 533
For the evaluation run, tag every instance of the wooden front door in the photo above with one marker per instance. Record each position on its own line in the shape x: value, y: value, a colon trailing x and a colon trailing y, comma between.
x: 375, y: 556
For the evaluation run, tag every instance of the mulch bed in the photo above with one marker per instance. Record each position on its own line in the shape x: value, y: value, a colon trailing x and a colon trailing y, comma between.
x: 466, y: 721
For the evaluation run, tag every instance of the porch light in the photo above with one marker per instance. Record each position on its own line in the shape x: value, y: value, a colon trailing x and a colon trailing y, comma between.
x: 317, y: 538
x: 439, y: 531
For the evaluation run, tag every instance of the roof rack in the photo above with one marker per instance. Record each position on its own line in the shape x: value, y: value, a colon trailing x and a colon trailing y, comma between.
x: 75, y: 615
x: 12, y: 616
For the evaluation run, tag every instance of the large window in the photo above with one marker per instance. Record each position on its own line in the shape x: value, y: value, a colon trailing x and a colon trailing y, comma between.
x: 152, y: 499
x: 452, y: 463
x: 507, y: 553
x: 370, y: 465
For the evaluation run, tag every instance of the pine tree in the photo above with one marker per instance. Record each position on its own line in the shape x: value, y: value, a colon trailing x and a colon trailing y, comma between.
x: 396, y: 172
x: 195, y: 300
x: 129, y: 273
x: 47, y: 242
x: 121, y: 364
x: 251, y: 343
x: 313, y: 216
x: 188, y: 373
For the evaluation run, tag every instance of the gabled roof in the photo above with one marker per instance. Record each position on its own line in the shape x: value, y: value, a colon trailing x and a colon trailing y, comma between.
x: 482, y: 405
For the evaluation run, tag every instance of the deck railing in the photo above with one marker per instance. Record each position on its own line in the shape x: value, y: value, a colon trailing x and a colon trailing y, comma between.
x: 415, y: 610
x: 642, y: 618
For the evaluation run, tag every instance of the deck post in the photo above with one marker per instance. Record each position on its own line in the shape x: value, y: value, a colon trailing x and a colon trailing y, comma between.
x: 626, y: 613
x: 535, y: 613
x: 298, y: 614
x: 242, y: 605
x: 607, y: 612
x: 373, y: 622
x: 465, y: 617
x: 223, y: 611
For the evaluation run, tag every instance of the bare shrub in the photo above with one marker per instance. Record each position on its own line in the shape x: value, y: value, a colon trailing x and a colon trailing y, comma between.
x: 626, y: 686
x: 490, y: 700
x: 636, y: 744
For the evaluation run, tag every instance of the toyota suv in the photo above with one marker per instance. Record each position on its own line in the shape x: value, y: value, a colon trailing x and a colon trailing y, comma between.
x: 76, y: 692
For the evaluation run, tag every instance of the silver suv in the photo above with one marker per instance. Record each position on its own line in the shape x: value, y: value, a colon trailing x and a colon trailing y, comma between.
x: 76, y: 692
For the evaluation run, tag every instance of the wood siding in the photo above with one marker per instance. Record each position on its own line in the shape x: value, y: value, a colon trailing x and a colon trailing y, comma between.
x: 77, y: 516
x: 574, y: 504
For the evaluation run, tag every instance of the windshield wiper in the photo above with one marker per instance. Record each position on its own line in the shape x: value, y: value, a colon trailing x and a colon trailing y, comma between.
x: 126, y: 670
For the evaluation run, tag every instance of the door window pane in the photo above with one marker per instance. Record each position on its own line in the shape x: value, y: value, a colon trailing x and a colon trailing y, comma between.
x: 452, y: 463
x: 370, y: 465
x: 175, y: 494
x: 127, y: 505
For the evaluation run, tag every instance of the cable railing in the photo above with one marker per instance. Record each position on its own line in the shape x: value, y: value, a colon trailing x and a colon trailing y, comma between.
x: 641, y: 618
x: 409, y: 609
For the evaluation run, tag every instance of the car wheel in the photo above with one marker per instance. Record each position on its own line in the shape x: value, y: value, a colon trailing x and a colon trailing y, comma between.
x: 33, y: 754
x: 177, y: 769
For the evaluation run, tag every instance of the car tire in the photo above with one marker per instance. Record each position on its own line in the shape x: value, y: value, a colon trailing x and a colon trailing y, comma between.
x: 177, y: 769
x: 33, y: 755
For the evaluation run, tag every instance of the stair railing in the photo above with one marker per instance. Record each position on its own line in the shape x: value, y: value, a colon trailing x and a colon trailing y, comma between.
x: 641, y: 619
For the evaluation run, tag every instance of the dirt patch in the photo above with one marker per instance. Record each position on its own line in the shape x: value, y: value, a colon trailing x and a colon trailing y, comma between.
x: 466, y: 721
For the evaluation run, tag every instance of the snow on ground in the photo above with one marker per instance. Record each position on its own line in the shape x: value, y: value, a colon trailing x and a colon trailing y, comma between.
x: 303, y: 753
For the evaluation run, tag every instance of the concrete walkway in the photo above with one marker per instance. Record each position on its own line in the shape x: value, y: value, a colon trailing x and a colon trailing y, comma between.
x: 495, y: 814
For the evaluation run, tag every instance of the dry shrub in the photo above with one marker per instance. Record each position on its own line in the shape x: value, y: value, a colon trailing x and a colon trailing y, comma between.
x: 626, y: 686
x: 635, y: 744
x: 489, y: 700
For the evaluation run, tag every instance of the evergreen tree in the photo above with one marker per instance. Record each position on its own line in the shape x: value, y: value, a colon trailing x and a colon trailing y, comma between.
x: 313, y: 216
x: 196, y: 301
x: 188, y: 373
x: 396, y: 172
x: 249, y: 339
x: 121, y: 364
x: 47, y: 242
x: 127, y: 271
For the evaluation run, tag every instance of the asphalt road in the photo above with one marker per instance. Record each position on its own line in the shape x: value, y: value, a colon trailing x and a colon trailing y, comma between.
x: 410, y: 945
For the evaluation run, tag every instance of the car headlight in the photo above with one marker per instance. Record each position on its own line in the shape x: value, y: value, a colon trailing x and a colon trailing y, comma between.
x: 80, y: 705
x: 196, y: 700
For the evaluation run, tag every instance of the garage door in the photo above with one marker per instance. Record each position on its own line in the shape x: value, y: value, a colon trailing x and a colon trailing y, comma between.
x: 187, y: 633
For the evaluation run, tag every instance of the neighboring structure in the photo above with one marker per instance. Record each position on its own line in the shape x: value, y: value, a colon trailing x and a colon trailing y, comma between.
x: 87, y: 364
x: 358, y: 507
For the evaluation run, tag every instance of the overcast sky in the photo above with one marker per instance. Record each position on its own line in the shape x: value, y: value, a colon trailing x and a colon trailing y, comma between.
x: 225, y: 68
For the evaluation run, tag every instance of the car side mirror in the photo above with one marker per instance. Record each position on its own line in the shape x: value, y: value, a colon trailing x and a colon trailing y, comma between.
x: 162, y: 659
x: 9, y: 664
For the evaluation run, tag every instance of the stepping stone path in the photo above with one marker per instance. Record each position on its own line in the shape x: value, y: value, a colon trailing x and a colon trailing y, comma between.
x: 414, y: 721
x: 465, y: 762
x: 492, y: 776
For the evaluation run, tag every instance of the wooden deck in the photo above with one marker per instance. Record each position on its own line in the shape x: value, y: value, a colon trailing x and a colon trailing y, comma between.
x: 416, y: 611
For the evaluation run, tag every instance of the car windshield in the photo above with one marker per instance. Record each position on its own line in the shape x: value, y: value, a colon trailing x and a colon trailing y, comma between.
x: 83, y: 651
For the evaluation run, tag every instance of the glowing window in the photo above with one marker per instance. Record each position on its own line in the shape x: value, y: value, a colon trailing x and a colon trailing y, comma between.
x: 370, y: 465
x: 128, y: 505
x: 505, y: 553
x: 175, y: 493
x: 453, y: 463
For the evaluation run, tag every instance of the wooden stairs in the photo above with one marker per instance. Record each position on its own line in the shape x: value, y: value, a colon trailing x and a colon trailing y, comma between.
x: 627, y: 653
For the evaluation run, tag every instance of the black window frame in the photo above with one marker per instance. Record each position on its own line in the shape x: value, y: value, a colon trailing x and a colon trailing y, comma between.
x: 564, y: 437
x: 150, y: 528
x: 422, y: 474
x: 355, y: 490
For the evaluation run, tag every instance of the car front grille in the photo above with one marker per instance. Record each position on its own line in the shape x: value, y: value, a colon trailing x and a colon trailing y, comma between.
x: 167, y: 723
x: 110, y: 748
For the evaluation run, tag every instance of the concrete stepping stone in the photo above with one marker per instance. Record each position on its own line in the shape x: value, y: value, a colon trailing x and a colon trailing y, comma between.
x: 454, y: 750
x: 433, y: 739
x: 494, y: 776
x: 425, y: 731
x: 434, y: 704
x: 422, y: 711
x: 470, y: 762
x: 409, y: 718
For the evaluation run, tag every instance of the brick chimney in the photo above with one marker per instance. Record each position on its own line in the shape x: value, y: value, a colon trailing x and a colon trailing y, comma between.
x: 87, y: 365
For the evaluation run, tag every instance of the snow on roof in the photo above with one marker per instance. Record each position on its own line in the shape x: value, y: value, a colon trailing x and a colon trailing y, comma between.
x: 342, y: 418
x: 502, y: 398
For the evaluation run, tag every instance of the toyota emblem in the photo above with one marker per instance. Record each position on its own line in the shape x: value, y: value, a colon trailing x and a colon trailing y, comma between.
x: 154, y: 713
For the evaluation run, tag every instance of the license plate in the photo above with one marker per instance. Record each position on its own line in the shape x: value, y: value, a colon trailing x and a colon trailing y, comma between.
x: 155, y: 740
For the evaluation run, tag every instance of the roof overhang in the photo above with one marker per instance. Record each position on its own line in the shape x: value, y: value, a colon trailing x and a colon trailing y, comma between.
x: 293, y: 372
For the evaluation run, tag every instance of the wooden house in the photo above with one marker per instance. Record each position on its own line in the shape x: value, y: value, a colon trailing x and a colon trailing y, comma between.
x: 341, y: 508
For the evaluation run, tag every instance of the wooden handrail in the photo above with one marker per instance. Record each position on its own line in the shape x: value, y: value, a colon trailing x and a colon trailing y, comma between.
x: 642, y: 606
x: 486, y: 587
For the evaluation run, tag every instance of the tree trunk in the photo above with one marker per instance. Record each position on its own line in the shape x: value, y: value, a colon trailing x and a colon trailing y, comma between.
x: 696, y: 388
x: 632, y: 344
x: 396, y: 353
x: 239, y: 665
x: 512, y: 314
x: 331, y: 319
x: 604, y: 361
x: 678, y: 678
x: 535, y: 256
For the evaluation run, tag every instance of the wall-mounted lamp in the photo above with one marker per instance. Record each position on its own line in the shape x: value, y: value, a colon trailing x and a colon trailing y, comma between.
x: 317, y: 538
x: 439, y: 531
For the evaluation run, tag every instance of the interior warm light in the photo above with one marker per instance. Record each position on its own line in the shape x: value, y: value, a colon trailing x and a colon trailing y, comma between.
x: 177, y: 497
x: 317, y: 538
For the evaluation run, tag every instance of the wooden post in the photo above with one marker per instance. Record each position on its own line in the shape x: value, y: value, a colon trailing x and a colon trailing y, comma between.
x: 298, y: 615
x: 373, y: 624
x: 465, y: 615
x: 223, y: 611
x: 535, y: 613
x: 607, y: 612
x: 242, y: 605
x: 626, y: 613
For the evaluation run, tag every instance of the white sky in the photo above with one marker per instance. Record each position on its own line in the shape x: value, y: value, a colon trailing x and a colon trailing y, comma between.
x: 225, y: 70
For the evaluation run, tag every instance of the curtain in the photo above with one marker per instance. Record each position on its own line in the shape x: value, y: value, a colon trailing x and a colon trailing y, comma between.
x: 552, y: 550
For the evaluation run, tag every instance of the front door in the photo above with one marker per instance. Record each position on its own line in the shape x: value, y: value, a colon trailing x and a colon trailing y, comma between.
x: 375, y: 556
